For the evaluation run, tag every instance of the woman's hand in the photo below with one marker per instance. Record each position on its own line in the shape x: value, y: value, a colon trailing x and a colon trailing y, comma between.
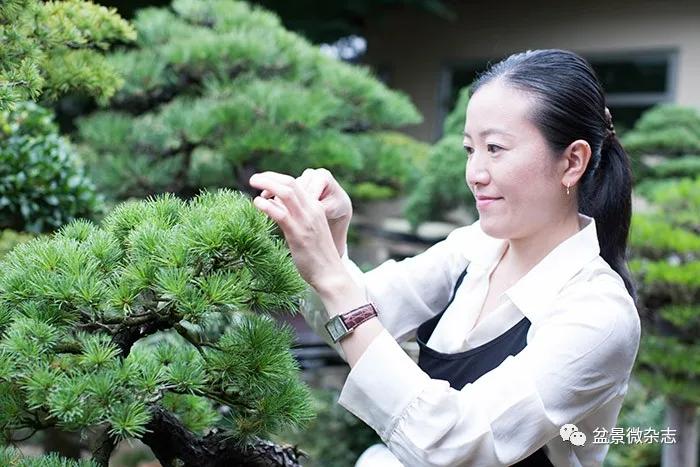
x: 337, y: 206
x: 303, y: 221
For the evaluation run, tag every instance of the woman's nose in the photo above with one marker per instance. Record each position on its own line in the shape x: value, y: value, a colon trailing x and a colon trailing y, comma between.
x: 476, y: 172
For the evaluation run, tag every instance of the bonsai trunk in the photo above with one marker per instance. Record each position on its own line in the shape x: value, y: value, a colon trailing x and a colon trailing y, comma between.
x: 176, y: 446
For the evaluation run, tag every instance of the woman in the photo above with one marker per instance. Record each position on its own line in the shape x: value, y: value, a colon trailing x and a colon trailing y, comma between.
x: 526, y: 320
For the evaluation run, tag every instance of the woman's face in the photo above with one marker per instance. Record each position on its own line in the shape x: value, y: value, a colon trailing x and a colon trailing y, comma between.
x: 508, y: 158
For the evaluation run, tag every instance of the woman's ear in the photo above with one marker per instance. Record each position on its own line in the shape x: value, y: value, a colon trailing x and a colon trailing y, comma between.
x: 577, y: 156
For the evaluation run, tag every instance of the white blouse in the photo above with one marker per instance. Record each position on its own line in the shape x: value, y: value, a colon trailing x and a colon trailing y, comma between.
x: 581, y: 346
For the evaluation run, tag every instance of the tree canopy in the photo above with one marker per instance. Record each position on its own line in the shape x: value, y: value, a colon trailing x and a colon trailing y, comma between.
x: 51, y: 48
x: 217, y: 90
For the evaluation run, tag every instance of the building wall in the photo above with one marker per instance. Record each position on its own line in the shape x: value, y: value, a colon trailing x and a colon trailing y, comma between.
x: 416, y: 49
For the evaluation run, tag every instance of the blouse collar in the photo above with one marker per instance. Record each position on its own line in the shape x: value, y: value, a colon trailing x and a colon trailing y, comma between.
x: 534, y: 291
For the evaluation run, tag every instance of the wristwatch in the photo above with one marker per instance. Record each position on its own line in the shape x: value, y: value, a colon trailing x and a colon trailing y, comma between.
x: 343, y: 324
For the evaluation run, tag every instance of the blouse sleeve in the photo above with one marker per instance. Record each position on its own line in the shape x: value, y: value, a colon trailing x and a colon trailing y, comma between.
x: 405, y: 292
x: 577, y: 361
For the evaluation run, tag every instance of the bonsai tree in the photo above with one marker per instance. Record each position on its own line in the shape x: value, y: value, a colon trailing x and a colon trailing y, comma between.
x: 42, y: 182
x: 155, y: 325
x: 217, y: 90
x: 52, y: 47
x: 439, y: 186
x: 665, y: 143
x: 666, y: 248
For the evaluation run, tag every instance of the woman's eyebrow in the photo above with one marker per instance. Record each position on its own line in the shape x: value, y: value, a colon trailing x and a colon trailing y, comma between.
x: 489, y: 131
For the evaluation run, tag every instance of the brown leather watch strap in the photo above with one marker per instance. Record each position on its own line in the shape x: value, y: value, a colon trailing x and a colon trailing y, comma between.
x: 354, y: 318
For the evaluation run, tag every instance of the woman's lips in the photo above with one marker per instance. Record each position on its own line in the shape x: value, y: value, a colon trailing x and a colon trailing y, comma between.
x: 482, y: 203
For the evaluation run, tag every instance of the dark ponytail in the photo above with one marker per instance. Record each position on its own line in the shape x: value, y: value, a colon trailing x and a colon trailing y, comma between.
x: 571, y: 106
x: 607, y: 197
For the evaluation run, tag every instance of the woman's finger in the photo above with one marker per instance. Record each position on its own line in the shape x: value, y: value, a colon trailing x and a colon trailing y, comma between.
x: 282, y: 178
x: 306, y: 175
x: 313, y: 182
x: 277, y: 212
x: 317, y: 186
x: 276, y: 176
x: 267, y: 194
x: 277, y: 202
x: 284, y: 189
x: 304, y: 179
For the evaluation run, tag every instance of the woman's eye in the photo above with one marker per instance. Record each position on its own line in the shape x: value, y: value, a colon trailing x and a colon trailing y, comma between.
x: 493, y: 148
x: 469, y: 150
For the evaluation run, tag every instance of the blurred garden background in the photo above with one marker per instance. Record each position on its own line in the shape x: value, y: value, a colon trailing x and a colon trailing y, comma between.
x: 149, y: 313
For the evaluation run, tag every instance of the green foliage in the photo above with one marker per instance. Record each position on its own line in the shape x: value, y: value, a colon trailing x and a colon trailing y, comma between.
x: 335, y: 438
x: 677, y: 200
x: 217, y: 89
x: 665, y: 116
x: 456, y: 119
x: 654, y: 237
x: 665, y: 245
x: 42, y: 182
x: 682, y: 166
x: 662, y: 135
x: 197, y: 413
x: 672, y: 141
x: 440, y: 186
x: 56, y: 47
x: 395, y: 163
x: 11, y: 457
x: 76, y: 306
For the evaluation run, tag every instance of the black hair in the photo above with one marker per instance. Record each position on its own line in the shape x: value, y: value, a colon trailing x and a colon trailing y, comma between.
x: 570, y: 106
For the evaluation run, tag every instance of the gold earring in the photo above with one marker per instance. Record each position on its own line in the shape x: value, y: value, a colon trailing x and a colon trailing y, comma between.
x: 567, y: 188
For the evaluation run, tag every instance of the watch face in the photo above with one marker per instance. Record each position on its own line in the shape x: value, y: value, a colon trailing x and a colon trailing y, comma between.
x: 336, y: 328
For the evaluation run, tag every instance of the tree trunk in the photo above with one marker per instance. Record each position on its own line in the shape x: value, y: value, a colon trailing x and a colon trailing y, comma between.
x: 176, y: 446
x: 684, y: 452
x: 102, y: 445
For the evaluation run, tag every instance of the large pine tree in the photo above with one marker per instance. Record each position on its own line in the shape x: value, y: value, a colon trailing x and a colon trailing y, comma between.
x: 217, y: 90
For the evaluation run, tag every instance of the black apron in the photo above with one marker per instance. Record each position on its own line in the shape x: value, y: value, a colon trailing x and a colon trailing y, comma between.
x: 466, y: 367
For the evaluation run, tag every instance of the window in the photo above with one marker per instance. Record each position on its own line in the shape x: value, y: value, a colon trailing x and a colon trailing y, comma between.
x: 634, y: 82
